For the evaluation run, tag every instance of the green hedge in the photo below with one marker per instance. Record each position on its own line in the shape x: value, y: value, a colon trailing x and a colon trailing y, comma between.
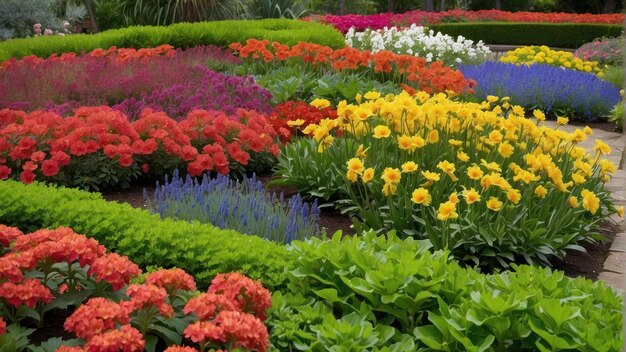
x: 558, y: 35
x: 200, y: 249
x: 180, y: 35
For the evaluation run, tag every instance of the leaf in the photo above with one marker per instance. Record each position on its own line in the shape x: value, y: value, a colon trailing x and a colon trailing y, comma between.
x: 329, y: 294
x: 151, y: 342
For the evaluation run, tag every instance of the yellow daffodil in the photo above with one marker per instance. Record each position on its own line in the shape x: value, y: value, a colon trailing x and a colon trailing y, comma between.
x: 320, y: 103
x: 391, y: 175
x: 431, y: 177
x: 514, y: 196
x: 447, y: 211
x: 368, y: 175
x: 474, y: 172
x: 494, y: 204
x: 541, y: 191
x: 409, y: 166
x: 573, y: 202
x: 462, y: 156
x: 620, y: 211
x: 471, y: 196
x: 602, y: 147
x: 562, y: 121
x: 421, y: 196
x: 591, y: 202
x: 381, y: 131
x: 295, y: 123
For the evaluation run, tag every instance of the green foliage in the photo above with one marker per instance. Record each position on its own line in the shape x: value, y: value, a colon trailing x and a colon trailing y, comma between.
x: 614, y: 75
x: 181, y: 35
x: 342, y: 7
x: 17, y: 17
x: 109, y: 14
x: 617, y: 115
x: 318, y: 174
x: 557, y: 35
x: 165, y: 12
x: 506, y: 5
x: 275, y: 9
x: 200, y: 249
x: 374, y: 291
x: 299, y: 83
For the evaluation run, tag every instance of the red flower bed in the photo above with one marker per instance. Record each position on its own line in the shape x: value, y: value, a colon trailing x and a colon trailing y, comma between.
x: 99, y: 147
x: 378, y: 21
x: 430, y: 78
x: 66, y: 267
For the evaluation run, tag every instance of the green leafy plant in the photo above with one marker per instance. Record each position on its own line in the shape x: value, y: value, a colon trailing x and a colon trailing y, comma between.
x: 370, y: 289
x: 164, y: 12
x: 203, y: 250
x: 276, y: 9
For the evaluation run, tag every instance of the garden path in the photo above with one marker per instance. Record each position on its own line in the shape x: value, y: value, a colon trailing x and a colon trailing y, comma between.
x: 614, y: 271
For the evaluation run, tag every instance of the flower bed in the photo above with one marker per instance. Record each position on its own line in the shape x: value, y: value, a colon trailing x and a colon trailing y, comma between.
x: 606, y: 51
x: 161, y: 79
x: 57, y: 269
x: 543, y: 55
x: 379, y: 21
x: 474, y: 178
x: 555, y: 90
x: 417, y: 41
x: 261, y: 55
x: 244, y: 207
x: 98, y: 147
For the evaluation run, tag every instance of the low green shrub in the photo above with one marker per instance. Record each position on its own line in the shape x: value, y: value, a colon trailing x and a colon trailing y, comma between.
x: 200, y: 249
x: 381, y: 293
x: 180, y: 35
x: 558, y: 35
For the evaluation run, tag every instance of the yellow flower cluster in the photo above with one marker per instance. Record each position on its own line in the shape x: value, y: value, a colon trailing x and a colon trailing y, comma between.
x: 544, y: 55
x: 488, y: 153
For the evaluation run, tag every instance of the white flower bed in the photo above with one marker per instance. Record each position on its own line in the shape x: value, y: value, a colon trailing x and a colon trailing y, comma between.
x: 422, y: 42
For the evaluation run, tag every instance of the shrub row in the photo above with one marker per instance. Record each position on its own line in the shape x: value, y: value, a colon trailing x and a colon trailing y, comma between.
x: 558, y: 35
x: 181, y: 35
x: 200, y: 249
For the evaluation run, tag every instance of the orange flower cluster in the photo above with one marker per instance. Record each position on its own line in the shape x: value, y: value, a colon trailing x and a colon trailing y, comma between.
x: 117, y: 55
x: 231, y: 312
x: 434, y: 77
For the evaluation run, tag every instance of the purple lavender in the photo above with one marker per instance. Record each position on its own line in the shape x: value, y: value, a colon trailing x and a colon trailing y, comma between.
x: 244, y: 206
x: 550, y: 88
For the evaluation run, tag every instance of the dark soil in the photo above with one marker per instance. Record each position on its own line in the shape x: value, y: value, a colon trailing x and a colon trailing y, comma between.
x: 53, y: 326
x: 575, y: 264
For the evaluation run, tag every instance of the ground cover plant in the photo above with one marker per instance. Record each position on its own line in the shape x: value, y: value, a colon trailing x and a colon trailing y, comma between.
x: 60, y: 270
x: 381, y: 293
x: 420, y: 42
x: 379, y: 21
x: 162, y: 79
x: 261, y: 56
x: 98, y: 147
x: 554, y: 90
x: 245, y: 207
x: 478, y: 179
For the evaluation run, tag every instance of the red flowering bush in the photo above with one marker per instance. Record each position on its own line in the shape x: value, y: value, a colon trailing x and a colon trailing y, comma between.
x: 98, y: 147
x: 123, y: 317
x: 291, y: 116
x: 408, y: 69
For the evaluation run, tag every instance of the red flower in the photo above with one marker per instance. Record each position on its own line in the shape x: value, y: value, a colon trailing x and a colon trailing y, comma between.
x: 207, y: 305
x: 244, y: 330
x: 147, y: 295
x: 180, y: 349
x: 95, y: 317
x: 125, y: 160
x: 114, y: 269
x: 251, y: 296
x: 204, y: 331
x: 28, y: 293
x: 126, y: 339
x: 50, y: 168
x: 38, y: 156
x: 61, y: 158
x: 29, y: 166
x: 9, y: 234
x: 5, y: 172
x: 27, y: 177
x: 145, y: 168
x: 3, y: 327
x: 10, y: 269
x: 172, y: 280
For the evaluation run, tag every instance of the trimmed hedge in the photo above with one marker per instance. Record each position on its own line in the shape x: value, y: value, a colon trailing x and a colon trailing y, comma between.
x: 180, y: 35
x: 558, y: 35
x: 200, y: 249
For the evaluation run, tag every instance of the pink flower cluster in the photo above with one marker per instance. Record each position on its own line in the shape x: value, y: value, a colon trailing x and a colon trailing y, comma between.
x: 379, y: 21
